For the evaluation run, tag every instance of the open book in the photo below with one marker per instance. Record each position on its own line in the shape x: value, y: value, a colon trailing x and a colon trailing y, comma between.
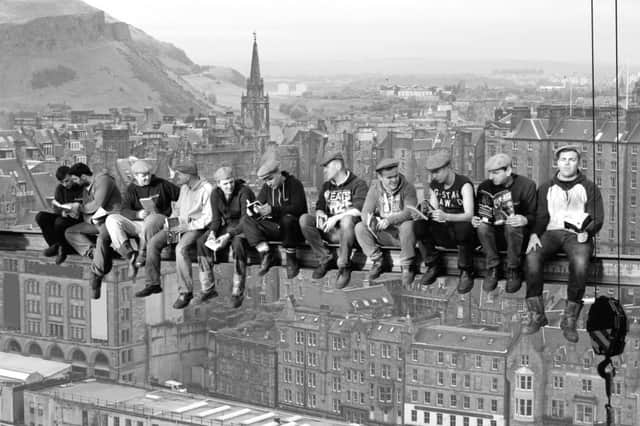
x: 149, y: 203
x: 577, y: 222
x: 99, y: 215
x: 495, y: 208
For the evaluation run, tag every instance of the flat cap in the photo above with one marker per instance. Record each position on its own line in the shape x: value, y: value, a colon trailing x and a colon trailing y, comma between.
x: 498, y: 161
x: 224, y: 173
x: 438, y: 160
x: 187, y: 167
x: 270, y: 166
x: 141, y: 166
x: 330, y: 156
x: 574, y: 148
x: 387, y: 163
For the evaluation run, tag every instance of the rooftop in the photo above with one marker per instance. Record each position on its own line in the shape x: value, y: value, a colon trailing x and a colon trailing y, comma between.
x: 169, y: 405
x: 14, y: 367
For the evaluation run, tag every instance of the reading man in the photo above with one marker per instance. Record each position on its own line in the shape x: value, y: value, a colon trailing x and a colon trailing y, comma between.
x: 568, y: 216
x: 387, y: 221
x: 229, y: 202
x: 337, y: 212
x: 53, y: 224
x: 505, y: 212
x: 451, y: 202
x: 145, y: 205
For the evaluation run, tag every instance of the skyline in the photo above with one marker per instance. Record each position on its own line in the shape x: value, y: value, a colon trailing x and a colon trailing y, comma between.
x: 347, y: 38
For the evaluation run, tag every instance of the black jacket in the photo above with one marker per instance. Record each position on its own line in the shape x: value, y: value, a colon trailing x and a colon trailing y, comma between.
x: 227, y: 213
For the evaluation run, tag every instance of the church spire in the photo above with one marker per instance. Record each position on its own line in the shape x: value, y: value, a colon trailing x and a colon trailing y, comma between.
x: 254, y: 77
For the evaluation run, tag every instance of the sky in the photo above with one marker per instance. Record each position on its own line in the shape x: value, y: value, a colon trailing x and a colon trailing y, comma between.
x: 400, y: 36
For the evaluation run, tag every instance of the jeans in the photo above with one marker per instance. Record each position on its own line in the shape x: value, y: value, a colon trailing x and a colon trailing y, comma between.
x: 183, y: 261
x: 79, y: 237
x: 448, y: 235
x: 494, y: 238
x: 579, y: 255
x: 207, y: 258
x: 402, y: 236
x: 53, y: 226
x: 343, y: 233
x: 286, y: 229
x: 121, y: 229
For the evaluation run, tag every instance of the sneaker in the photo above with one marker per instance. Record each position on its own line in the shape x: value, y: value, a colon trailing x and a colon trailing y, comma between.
x: 208, y: 294
x: 322, y: 269
x: 51, y: 250
x: 237, y: 291
x: 344, y: 276
x: 62, y: 256
x: 465, y: 281
x: 183, y: 300
x: 431, y: 274
x: 514, y: 280
x: 148, y: 290
x: 293, y: 268
x: 95, y: 281
x: 267, y: 262
x: 491, y: 279
x: 132, y: 269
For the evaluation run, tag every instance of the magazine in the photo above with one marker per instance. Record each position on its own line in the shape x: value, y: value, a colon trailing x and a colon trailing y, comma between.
x: 149, y: 203
x: 495, y: 208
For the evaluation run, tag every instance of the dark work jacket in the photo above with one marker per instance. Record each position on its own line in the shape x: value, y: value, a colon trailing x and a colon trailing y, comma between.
x: 166, y: 191
x: 227, y: 213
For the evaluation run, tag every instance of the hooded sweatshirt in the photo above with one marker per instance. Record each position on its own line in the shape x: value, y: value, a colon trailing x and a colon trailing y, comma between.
x: 165, y: 190
x: 335, y: 199
x: 390, y: 205
x: 288, y: 198
x: 194, y: 205
x: 558, y: 199
x: 227, y: 213
x: 103, y: 192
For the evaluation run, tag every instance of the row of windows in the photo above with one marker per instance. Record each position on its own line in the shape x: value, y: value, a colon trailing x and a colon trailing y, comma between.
x: 454, y: 359
x: 453, y: 420
x: 454, y: 398
x: 54, y: 289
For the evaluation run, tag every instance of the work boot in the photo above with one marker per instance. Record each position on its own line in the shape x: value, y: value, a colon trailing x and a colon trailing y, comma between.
x: 535, y: 315
x: 491, y: 279
x: 183, y: 300
x: 344, y: 276
x: 514, y: 280
x: 408, y: 275
x: 95, y: 281
x: 208, y: 294
x: 377, y: 269
x: 465, y: 281
x: 266, y: 263
x: 237, y: 291
x: 431, y: 274
x: 51, y: 251
x: 126, y: 252
x: 148, y: 290
x: 322, y: 269
x: 570, y: 321
x: 292, y: 265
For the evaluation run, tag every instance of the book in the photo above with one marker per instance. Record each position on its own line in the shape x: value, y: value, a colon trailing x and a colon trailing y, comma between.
x: 253, y: 210
x: 149, y: 203
x: 321, y: 221
x: 577, y: 222
x: 372, y: 225
x: 495, y: 208
x: 214, y: 243
x: 99, y: 215
x: 419, y: 213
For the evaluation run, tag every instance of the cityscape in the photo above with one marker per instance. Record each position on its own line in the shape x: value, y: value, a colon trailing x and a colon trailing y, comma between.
x: 298, y: 351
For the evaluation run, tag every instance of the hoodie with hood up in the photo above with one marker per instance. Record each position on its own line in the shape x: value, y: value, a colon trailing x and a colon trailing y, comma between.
x: 559, y: 199
x: 335, y: 199
x: 391, y: 206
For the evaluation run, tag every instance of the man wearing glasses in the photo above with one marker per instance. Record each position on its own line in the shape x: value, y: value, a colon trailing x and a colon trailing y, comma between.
x: 274, y: 216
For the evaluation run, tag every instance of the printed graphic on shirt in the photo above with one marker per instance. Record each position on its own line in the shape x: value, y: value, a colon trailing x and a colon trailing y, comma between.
x: 448, y: 199
x: 390, y: 204
x: 338, y: 201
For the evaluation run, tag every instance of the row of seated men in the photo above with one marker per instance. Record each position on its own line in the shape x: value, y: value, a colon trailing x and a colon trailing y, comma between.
x: 507, y: 213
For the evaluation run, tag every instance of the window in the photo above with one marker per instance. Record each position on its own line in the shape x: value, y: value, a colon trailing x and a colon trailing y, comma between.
x: 452, y: 420
x: 299, y: 338
x: 614, y: 165
x: 372, y: 349
x: 414, y: 416
x: 494, y: 384
x: 524, y: 360
x: 426, y: 417
x: 586, y: 385
x: 467, y: 380
x: 495, y: 363
x: 599, y: 148
x: 454, y: 359
x: 427, y: 397
x: 479, y: 422
x: 386, y: 371
x: 372, y: 369
x: 478, y: 362
x: 466, y: 402
x: 524, y: 382
x: 529, y: 146
x: 311, y: 380
x: 439, y: 418
x: 384, y: 393
x: 584, y: 413
x: 299, y: 357
x: 312, y: 339
x: 439, y: 399
x: 414, y: 395
x: 557, y: 408
x: 440, y: 357
x: 480, y: 403
x: 414, y: 374
x: 453, y: 400
x: 454, y: 379
x: 440, y: 377
x: 524, y: 407
x: 494, y: 405
x: 558, y: 382
x: 414, y: 355
x: 385, y: 351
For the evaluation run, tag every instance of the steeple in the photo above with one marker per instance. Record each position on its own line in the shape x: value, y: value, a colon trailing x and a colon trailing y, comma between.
x: 254, y: 77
